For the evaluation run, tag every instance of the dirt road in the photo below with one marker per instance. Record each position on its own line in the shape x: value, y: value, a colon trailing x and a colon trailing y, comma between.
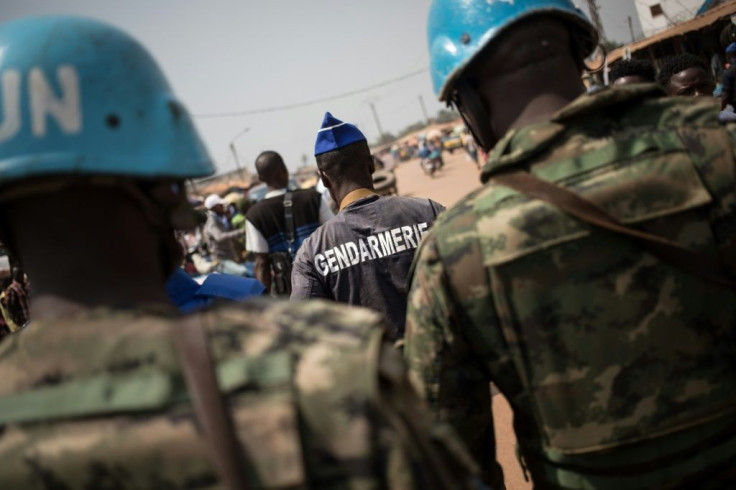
x: 458, y: 177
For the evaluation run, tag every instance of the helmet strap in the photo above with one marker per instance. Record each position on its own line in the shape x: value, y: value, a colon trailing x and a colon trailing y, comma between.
x: 165, y: 215
x: 470, y: 106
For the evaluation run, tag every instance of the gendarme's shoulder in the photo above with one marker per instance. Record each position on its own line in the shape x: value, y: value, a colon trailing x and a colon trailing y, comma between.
x: 409, y: 200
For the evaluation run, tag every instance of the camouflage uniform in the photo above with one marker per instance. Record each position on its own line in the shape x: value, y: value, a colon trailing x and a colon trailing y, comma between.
x: 98, y: 401
x: 620, y: 369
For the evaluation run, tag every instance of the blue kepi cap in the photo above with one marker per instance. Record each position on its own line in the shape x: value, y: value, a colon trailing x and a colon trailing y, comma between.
x: 336, y: 134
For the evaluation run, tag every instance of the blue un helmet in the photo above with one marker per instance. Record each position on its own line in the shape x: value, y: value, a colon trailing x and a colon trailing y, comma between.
x: 459, y: 29
x: 80, y: 97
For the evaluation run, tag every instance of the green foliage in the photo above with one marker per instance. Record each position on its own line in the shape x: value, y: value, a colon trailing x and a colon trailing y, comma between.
x: 445, y: 115
x: 417, y: 126
x: 385, y: 139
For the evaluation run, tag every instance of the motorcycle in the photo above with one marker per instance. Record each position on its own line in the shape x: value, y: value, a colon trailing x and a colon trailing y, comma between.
x: 431, y: 163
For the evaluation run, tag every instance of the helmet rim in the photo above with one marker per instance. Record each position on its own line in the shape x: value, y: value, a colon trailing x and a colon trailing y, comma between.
x: 577, y: 20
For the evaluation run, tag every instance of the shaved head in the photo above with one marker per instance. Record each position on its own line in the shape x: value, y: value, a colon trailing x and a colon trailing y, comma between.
x: 272, y: 170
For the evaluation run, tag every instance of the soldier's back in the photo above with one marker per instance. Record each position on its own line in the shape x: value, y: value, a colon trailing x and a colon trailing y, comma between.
x: 619, y: 366
x: 99, y: 401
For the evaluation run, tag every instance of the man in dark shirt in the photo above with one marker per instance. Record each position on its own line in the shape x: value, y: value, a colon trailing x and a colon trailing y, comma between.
x: 265, y: 223
x: 363, y: 256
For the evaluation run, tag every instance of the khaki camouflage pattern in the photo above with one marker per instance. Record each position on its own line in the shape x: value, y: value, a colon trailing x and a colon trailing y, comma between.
x: 318, y: 399
x: 620, y: 369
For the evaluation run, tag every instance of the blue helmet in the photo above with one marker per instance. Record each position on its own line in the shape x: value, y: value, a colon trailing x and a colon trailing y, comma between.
x: 459, y: 29
x: 80, y: 97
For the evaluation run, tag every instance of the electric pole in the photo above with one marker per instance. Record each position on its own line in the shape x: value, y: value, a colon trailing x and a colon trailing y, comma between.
x: 596, y: 18
x: 235, y: 153
x: 631, y: 30
x: 424, y: 109
x: 378, y: 123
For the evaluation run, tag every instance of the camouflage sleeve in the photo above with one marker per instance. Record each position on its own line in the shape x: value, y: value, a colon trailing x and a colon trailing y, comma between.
x: 442, y: 368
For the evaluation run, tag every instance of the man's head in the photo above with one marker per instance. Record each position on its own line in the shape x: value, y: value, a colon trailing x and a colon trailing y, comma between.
x: 731, y: 53
x: 216, y: 204
x: 482, y: 52
x: 343, y: 157
x: 272, y: 170
x: 625, y: 72
x: 686, y: 75
x: 95, y: 129
x: 17, y: 275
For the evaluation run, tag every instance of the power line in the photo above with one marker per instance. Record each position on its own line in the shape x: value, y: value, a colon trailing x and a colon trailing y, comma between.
x: 265, y: 110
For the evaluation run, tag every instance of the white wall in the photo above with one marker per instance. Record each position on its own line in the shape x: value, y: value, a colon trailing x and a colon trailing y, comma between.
x: 675, y: 11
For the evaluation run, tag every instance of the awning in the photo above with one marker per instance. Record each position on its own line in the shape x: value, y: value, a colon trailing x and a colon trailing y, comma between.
x: 705, y: 20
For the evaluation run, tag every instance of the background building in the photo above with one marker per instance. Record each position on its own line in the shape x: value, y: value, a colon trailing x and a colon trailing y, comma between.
x: 658, y: 15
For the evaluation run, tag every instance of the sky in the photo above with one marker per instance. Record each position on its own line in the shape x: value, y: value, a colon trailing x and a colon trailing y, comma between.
x: 224, y: 56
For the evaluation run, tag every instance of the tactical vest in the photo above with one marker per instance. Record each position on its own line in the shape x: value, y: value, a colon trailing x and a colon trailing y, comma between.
x: 312, y: 409
x: 625, y: 364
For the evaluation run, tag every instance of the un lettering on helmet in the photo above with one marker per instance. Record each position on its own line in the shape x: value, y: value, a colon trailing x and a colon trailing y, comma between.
x: 81, y: 97
x: 64, y: 109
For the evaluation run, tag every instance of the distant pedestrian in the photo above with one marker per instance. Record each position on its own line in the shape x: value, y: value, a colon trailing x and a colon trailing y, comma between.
x: 687, y: 75
x: 14, y: 301
x: 472, y: 150
x: 276, y: 226
x: 363, y: 256
x: 625, y: 72
x: 221, y: 239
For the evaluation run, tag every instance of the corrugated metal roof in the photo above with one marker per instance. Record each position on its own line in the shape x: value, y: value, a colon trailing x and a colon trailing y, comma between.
x: 695, y: 24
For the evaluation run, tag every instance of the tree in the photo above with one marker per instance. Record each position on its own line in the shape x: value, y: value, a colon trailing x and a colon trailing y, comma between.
x: 609, y: 45
x: 444, y: 116
x: 412, y: 128
x: 385, y: 138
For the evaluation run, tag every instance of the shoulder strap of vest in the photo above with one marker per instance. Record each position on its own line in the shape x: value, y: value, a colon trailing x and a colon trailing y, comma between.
x: 209, y: 407
x: 289, y: 219
x: 688, y: 260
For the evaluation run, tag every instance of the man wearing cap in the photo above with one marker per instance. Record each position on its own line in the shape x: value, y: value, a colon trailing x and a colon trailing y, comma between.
x: 276, y: 226
x: 363, y: 256
x: 591, y: 278
x: 220, y: 238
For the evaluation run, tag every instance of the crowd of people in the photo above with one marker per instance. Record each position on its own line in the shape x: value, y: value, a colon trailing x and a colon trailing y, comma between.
x: 590, y: 278
x: 686, y: 75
